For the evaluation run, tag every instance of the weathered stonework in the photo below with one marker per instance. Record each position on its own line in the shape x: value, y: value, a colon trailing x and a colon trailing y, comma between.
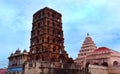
x: 50, y: 68
x: 47, y: 54
x: 47, y: 42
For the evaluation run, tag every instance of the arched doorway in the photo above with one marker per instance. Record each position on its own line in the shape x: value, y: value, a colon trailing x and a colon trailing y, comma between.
x: 95, y: 64
x: 105, y: 64
x: 87, y: 65
x: 115, y: 63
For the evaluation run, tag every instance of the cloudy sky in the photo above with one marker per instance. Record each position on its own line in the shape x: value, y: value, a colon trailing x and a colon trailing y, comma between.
x: 99, y: 18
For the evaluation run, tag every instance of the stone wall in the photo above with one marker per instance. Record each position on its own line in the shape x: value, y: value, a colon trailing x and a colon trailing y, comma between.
x: 114, y: 70
x: 103, y: 70
x: 98, y: 69
x: 49, y: 68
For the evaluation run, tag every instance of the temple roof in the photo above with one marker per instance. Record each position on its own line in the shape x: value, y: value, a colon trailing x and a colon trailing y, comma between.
x: 88, y: 46
x: 102, y: 49
x: 88, y: 42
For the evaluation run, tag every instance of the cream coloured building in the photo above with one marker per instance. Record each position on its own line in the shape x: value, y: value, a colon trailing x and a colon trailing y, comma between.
x: 103, y: 56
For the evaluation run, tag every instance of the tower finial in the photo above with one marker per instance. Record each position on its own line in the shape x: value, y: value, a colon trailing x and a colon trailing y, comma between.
x: 87, y: 34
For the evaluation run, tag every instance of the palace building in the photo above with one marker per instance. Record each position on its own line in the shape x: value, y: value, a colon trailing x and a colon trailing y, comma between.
x: 104, y: 56
x: 16, y: 61
x: 91, y: 55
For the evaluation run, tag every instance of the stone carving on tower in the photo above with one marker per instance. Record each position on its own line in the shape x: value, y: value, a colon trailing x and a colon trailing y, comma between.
x: 47, y: 42
x: 87, y: 48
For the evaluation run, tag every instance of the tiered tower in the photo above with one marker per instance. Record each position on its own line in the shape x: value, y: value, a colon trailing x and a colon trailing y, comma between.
x: 47, y: 42
x: 88, y: 46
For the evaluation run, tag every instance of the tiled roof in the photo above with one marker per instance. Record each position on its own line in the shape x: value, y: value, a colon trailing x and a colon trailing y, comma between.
x: 102, y: 49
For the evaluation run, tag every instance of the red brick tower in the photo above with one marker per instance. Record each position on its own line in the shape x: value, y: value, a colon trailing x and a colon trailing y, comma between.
x: 47, y: 42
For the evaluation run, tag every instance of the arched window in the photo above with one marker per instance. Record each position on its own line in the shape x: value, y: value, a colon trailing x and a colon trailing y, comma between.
x: 37, y: 57
x: 48, y: 14
x: 42, y: 39
x: 58, y: 19
x: 96, y: 64
x: 60, y: 50
x: 105, y: 64
x: 59, y: 34
x: 37, y: 41
x: 48, y: 39
x: 38, y: 25
x: 54, y: 49
x: 43, y: 59
x: 33, y: 51
x: 42, y: 48
x: 53, y: 24
x: 115, y: 63
x: 53, y: 40
x: 38, y: 32
x: 33, y: 43
x: 48, y: 23
x: 53, y: 59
